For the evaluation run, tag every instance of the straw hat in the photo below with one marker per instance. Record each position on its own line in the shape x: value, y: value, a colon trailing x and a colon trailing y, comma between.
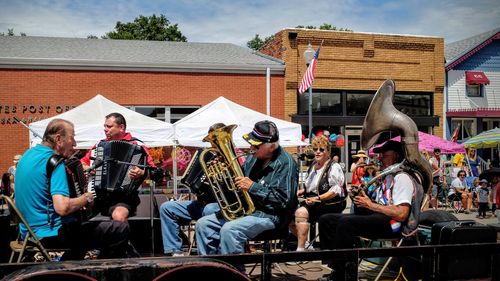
x: 371, y: 165
x: 361, y: 153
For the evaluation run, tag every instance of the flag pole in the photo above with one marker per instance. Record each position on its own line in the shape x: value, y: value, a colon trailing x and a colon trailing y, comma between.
x: 310, y: 57
x: 310, y: 113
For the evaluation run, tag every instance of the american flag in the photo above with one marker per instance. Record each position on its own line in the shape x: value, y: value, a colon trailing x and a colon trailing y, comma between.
x: 308, y: 78
x: 454, y: 136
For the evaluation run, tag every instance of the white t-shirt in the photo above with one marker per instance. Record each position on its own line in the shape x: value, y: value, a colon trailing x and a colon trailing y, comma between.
x: 457, y: 183
x: 335, y: 179
x: 402, y: 190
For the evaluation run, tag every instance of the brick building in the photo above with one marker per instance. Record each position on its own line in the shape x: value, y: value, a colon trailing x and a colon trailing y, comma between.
x: 42, y: 77
x: 350, y: 69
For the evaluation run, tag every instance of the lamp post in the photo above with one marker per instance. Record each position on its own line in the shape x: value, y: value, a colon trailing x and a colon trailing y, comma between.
x: 308, y: 56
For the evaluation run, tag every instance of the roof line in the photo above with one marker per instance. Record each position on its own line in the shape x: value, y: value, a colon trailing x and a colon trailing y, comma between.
x: 20, y: 63
x: 472, y: 51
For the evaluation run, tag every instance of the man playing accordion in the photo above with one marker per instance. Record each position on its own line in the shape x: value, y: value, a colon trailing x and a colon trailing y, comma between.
x: 48, y: 207
x: 118, y: 204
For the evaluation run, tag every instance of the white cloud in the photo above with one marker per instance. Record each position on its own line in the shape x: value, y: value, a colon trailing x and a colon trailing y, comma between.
x: 238, y: 21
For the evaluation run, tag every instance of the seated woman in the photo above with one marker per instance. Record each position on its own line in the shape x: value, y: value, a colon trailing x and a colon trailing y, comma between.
x: 324, y: 191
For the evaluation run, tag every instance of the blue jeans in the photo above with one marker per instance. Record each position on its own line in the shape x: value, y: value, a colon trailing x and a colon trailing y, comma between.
x: 176, y: 213
x: 215, y: 235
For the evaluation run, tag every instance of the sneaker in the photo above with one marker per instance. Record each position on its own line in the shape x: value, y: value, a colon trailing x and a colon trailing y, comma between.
x: 179, y: 254
x: 309, y: 246
x: 92, y: 255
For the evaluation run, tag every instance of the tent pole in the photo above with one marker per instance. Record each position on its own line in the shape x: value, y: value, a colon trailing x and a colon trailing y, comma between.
x: 174, y: 169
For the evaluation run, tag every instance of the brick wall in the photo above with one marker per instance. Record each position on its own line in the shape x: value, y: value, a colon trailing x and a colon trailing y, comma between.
x: 362, y: 61
x: 56, y: 91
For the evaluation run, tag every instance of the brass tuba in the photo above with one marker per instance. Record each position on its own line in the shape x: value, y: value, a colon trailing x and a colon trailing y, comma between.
x: 383, y: 116
x: 233, y: 202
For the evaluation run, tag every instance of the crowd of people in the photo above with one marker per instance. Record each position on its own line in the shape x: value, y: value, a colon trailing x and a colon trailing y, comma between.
x: 383, y: 205
x: 457, y: 183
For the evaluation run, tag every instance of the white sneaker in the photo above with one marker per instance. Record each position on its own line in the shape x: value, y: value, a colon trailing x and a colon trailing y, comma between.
x: 178, y: 254
x: 309, y: 246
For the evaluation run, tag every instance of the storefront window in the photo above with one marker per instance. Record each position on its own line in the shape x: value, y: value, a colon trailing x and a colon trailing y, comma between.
x: 413, y: 104
x: 322, y: 103
x: 358, y: 103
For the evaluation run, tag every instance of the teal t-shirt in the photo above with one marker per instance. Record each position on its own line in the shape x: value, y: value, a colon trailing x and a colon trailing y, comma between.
x: 32, y: 191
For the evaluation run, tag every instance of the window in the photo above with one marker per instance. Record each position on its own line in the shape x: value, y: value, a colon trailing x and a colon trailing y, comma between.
x: 169, y: 114
x: 413, y: 104
x: 474, y: 90
x: 358, y: 102
x: 323, y: 102
x: 466, y: 128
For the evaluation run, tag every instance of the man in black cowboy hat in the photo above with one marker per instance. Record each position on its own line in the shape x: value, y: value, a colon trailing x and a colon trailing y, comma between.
x: 271, y: 180
x: 388, y: 213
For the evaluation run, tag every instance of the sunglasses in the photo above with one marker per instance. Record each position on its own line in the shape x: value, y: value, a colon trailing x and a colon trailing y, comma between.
x: 318, y: 148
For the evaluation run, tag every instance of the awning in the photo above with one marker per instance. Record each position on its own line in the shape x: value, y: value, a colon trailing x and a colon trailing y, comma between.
x: 476, y: 78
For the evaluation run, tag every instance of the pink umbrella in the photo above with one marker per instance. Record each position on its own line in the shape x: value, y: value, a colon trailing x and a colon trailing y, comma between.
x: 429, y: 142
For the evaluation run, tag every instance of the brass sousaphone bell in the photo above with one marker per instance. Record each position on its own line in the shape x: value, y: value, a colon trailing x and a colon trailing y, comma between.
x: 382, y: 116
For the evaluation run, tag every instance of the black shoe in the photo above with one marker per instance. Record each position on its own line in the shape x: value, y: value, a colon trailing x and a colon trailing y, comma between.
x: 326, y: 277
x: 131, y: 251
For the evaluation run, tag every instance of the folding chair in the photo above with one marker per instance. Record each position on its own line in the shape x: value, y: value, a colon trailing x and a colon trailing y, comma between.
x: 30, y: 241
x: 270, y: 239
x: 455, y: 203
x: 397, y: 242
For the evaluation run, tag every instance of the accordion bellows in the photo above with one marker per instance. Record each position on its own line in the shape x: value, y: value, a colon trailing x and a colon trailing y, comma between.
x: 119, y: 157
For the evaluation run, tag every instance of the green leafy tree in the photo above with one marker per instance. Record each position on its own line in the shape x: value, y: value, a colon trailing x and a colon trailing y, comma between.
x: 92, y: 36
x: 256, y: 43
x: 324, y: 26
x: 10, y: 32
x: 147, y: 28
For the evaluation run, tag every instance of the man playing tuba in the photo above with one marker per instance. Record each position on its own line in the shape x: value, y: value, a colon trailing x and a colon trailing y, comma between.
x: 271, y: 179
x: 385, y: 215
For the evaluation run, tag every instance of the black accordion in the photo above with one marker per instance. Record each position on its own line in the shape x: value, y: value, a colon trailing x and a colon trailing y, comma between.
x: 77, y: 182
x: 118, y: 157
x: 195, y: 179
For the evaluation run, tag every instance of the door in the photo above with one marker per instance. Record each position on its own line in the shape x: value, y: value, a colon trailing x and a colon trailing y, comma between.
x: 353, y: 144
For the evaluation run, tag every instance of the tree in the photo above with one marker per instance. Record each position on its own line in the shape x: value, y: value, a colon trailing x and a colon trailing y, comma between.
x: 324, y: 26
x: 10, y: 32
x: 147, y: 28
x: 256, y: 43
x: 92, y: 36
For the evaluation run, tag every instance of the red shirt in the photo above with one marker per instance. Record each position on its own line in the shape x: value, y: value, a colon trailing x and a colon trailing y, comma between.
x: 128, y: 137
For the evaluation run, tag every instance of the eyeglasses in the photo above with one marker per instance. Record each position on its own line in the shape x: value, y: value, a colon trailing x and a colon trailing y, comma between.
x: 318, y: 148
x: 257, y: 146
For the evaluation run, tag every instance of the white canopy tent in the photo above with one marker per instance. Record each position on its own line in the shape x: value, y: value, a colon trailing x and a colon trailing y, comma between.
x: 89, y: 124
x: 190, y: 130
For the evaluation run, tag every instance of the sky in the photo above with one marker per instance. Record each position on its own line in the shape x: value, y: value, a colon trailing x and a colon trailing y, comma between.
x: 237, y: 21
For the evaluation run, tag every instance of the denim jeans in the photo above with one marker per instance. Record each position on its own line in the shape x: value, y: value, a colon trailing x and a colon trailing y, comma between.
x: 176, y: 213
x: 215, y: 235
